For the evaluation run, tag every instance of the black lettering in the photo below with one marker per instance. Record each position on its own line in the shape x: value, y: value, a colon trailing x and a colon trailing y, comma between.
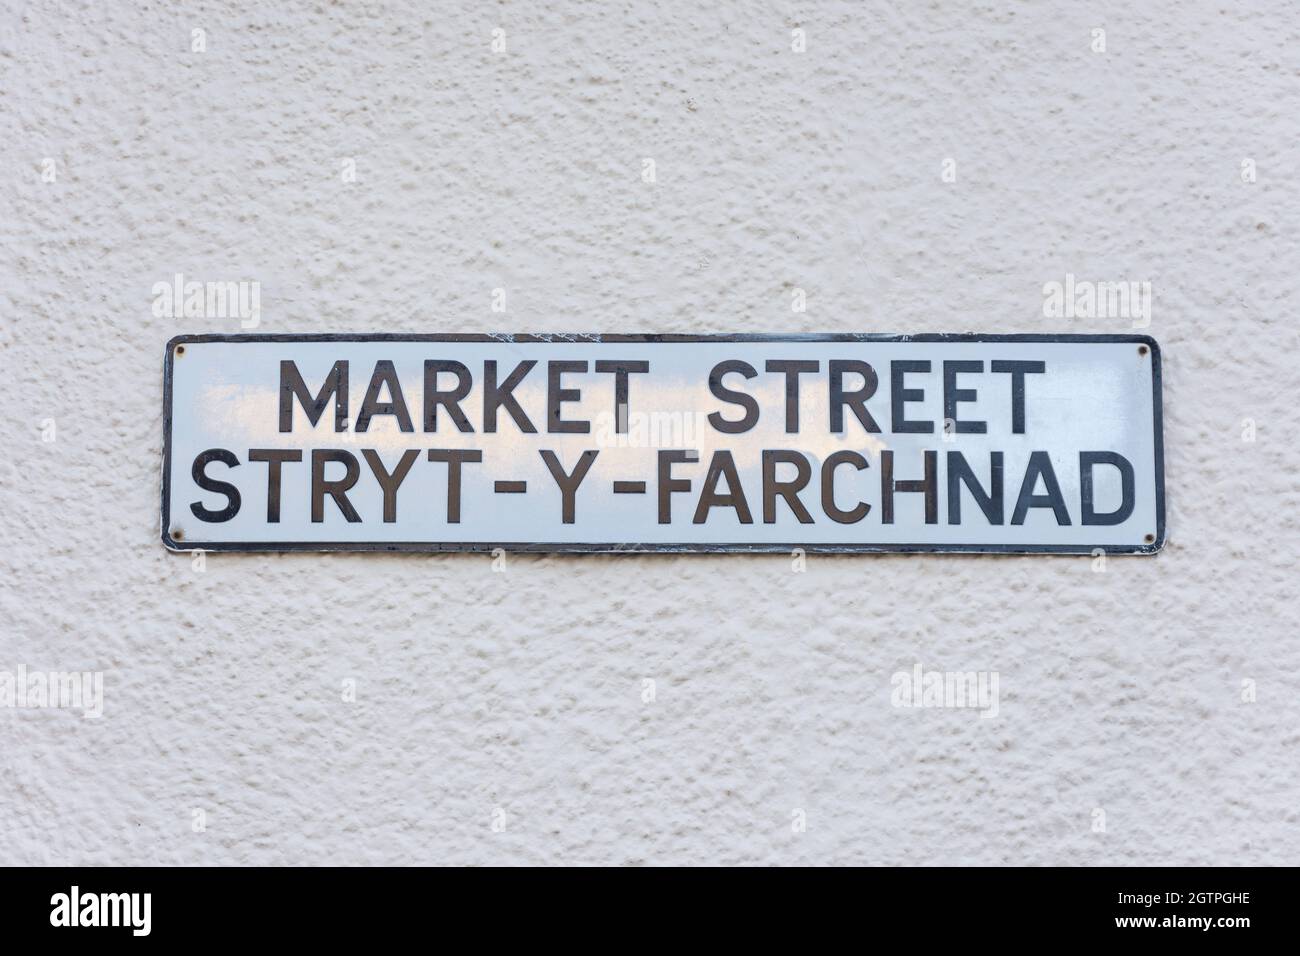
x: 454, y: 457
x: 568, y: 483
x: 557, y: 395
x: 833, y: 511
x: 722, y: 465
x: 450, y: 400
x: 390, y: 482
x: 335, y: 489
x: 960, y: 473
x: 497, y: 396
x: 1087, y: 459
x: 901, y: 395
x: 792, y: 368
x: 668, y: 484
x: 789, y: 490
x: 384, y: 374
x: 928, y: 486
x: 292, y: 386
x: 274, y: 458
x: 953, y: 396
x: 621, y: 370
x: 1018, y: 371
x: 197, y: 472
x: 747, y: 402
x: 855, y: 400
x: 1040, y: 464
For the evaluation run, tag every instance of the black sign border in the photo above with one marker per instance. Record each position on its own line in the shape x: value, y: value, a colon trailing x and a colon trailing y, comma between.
x: 440, y: 547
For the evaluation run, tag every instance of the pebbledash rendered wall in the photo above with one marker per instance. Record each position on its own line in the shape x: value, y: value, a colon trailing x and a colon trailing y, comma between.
x: 633, y: 167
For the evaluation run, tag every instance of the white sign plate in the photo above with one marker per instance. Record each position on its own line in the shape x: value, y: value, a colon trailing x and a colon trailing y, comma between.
x: 850, y: 443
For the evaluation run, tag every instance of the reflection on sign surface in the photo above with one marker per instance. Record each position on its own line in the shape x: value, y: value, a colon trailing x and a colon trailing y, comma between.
x: 617, y: 443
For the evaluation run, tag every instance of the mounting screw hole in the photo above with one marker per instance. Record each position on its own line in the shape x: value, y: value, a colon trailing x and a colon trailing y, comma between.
x: 179, y: 535
x: 1150, y: 539
x: 180, y: 350
x: 1143, y: 350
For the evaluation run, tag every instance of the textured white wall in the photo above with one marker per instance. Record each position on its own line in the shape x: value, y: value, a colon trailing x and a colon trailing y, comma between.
x: 523, y: 690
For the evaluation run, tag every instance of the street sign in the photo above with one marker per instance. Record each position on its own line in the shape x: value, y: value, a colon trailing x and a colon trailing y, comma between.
x: 845, y: 443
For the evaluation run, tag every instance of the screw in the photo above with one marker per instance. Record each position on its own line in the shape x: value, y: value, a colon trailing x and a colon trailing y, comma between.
x: 180, y: 350
x: 1150, y: 539
x: 178, y: 535
x: 1142, y: 350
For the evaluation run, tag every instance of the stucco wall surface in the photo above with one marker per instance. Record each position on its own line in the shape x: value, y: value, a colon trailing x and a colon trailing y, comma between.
x: 502, y: 717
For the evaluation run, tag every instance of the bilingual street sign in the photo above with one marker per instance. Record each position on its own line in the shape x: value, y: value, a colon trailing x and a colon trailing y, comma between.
x: 746, y: 443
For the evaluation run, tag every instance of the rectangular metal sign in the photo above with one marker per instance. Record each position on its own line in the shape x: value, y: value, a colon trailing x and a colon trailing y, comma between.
x: 850, y: 443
